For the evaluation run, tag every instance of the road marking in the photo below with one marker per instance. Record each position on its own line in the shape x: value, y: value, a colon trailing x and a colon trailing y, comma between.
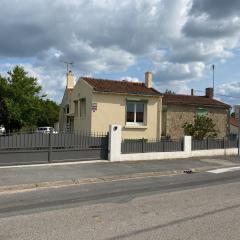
x: 53, y: 164
x: 223, y: 170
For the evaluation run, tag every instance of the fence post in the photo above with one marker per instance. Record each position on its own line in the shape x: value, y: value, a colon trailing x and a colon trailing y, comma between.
x: 114, y: 143
x: 207, y: 143
x: 142, y: 145
x: 50, y: 146
x: 187, y: 145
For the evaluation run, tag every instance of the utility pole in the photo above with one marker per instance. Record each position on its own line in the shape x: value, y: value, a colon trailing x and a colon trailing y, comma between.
x: 213, y: 68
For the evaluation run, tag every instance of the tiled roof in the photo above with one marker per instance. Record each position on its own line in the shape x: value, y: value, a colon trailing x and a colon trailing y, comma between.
x: 177, y: 99
x: 103, y: 85
x: 234, y: 122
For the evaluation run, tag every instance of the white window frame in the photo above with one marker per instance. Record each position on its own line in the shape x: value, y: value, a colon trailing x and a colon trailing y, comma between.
x: 135, y: 123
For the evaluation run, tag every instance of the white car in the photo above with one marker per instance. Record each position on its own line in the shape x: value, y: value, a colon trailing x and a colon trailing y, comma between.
x: 46, y: 130
x: 2, y: 130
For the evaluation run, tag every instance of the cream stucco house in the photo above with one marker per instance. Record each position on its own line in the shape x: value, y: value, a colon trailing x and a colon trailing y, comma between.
x: 91, y: 105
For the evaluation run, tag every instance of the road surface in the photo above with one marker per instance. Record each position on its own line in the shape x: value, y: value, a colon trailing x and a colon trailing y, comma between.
x: 192, y: 206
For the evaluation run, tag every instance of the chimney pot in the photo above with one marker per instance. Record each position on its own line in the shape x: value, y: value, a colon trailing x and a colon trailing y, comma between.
x: 209, y: 92
x: 148, y: 79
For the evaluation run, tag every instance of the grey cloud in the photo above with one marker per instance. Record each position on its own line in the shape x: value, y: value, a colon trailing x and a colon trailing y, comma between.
x: 216, y: 8
x: 208, y: 28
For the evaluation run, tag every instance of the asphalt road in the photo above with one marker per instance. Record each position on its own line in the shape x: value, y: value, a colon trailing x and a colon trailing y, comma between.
x: 195, y: 206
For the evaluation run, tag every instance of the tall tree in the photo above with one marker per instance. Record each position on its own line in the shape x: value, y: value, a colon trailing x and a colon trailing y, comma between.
x: 202, y: 127
x: 22, y: 107
x: 49, y: 113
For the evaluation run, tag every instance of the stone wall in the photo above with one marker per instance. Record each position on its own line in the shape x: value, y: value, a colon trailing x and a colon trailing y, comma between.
x: 177, y: 115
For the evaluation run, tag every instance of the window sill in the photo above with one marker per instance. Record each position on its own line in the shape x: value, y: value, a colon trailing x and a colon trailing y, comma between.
x: 136, y: 126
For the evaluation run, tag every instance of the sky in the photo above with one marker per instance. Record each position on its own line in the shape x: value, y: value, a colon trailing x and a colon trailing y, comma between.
x: 178, y: 40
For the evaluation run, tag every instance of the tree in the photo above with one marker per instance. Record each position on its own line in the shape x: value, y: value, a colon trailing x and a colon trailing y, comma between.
x: 202, y: 127
x: 49, y: 113
x: 21, y: 106
x: 167, y: 91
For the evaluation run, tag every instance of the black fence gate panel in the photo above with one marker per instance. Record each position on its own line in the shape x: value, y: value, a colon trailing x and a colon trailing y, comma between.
x: 25, y: 148
x: 151, y: 145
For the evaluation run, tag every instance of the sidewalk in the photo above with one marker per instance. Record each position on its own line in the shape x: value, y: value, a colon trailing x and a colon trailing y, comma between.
x: 31, y: 177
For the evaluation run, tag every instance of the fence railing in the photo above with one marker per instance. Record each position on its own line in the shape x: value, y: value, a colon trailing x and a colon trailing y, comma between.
x: 156, y: 145
x: 42, y: 141
x: 208, y: 144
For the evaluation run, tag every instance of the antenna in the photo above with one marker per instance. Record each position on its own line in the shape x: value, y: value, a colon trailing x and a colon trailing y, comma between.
x: 67, y: 64
x: 213, y: 68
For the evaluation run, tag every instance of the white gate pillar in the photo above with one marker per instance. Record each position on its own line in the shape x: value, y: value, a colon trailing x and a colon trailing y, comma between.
x: 188, y: 145
x: 114, y: 144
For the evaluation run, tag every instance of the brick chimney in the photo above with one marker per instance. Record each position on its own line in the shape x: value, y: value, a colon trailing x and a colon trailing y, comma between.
x: 192, y: 92
x: 70, y: 80
x: 148, y: 79
x: 209, y: 92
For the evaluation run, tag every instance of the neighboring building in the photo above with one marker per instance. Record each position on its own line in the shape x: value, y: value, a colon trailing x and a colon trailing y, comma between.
x: 234, y: 125
x: 91, y: 105
x: 178, y: 109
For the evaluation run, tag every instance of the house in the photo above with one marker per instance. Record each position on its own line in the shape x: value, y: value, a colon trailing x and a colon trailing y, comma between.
x: 234, y: 126
x: 91, y: 105
x: 178, y: 109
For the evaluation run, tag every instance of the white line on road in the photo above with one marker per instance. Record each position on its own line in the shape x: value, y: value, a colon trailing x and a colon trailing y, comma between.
x: 223, y: 170
x: 54, y: 164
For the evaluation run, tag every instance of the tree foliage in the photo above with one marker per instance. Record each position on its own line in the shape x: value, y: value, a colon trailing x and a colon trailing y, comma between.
x: 202, y: 127
x: 21, y: 106
x: 168, y: 91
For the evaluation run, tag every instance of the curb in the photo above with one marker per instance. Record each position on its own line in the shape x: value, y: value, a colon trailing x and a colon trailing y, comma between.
x: 74, y: 182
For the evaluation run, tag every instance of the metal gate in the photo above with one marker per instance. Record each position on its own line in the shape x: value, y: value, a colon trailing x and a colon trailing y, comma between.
x: 29, y: 148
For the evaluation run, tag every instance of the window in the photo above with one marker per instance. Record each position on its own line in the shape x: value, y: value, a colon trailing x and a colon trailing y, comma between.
x: 201, y: 112
x: 82, y: 107
x: 135, y: 112
x: 76, y: 108
x: 67, y: 109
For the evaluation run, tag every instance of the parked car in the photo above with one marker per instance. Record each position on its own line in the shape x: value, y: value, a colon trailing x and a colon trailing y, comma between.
x: 2, y: 130
x: 46, y: 130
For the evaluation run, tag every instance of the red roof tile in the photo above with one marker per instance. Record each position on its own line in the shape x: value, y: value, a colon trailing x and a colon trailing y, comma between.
x: 103, y: 85
x: 177, y: 99
x: 234, y: 122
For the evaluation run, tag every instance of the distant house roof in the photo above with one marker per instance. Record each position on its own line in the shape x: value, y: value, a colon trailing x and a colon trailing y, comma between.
x: 234, y: 122
x: 189, y: 100
x: 113, y: 86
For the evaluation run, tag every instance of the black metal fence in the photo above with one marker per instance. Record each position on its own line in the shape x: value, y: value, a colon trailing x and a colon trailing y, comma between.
x: 56, y: 146
x: 156, y: 145
x: 214, y: 143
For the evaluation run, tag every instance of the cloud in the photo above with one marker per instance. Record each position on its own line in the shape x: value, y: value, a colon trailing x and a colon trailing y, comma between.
x: 216, y: 8
x: 177, y: 37
x: 178, y: 72
x: 229, y: 92
x: 130, y: 79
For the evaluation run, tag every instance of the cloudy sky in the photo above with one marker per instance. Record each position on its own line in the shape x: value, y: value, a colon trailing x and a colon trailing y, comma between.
x: 178, y: 40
